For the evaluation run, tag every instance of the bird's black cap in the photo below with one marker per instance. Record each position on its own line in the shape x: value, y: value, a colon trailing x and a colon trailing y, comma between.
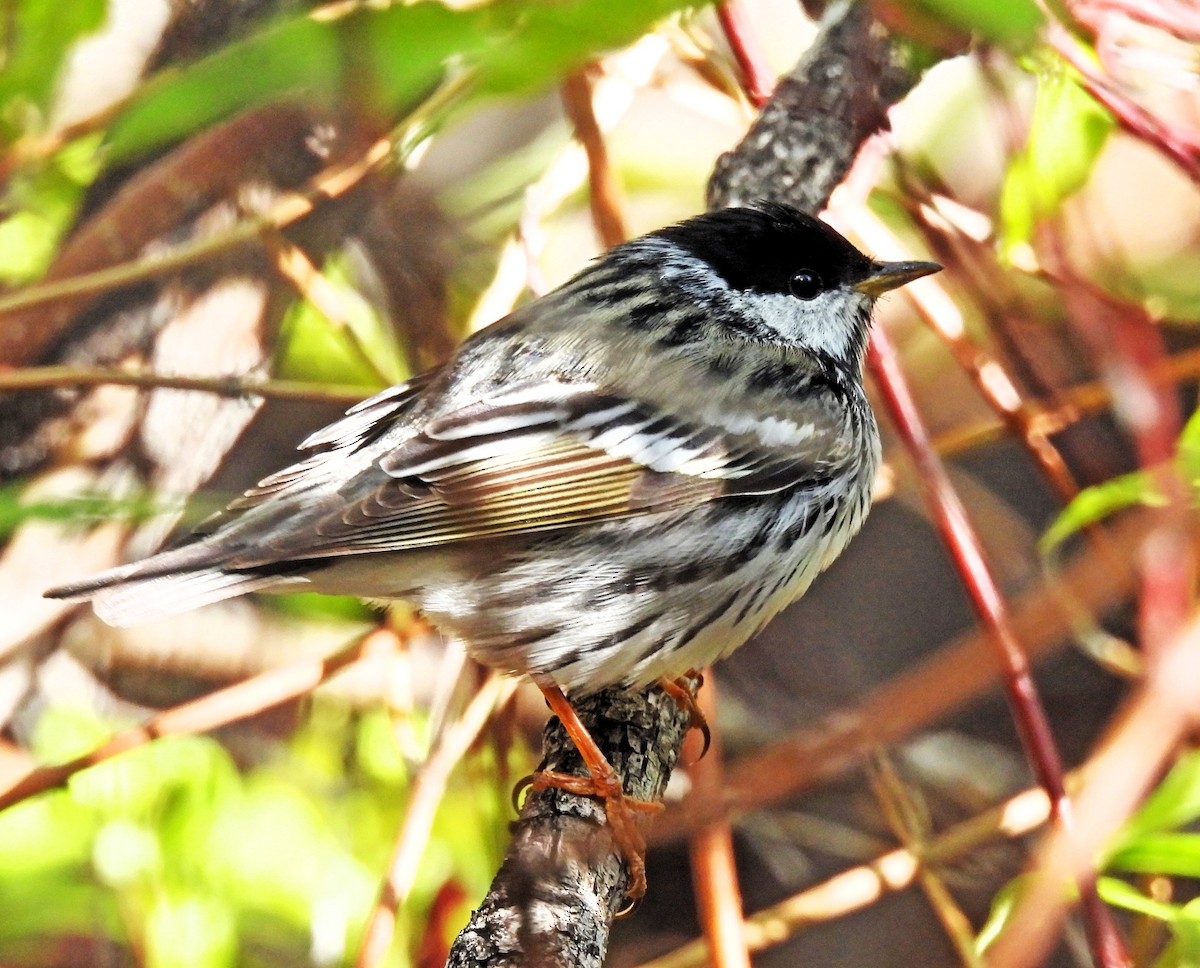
x: 762, y: 248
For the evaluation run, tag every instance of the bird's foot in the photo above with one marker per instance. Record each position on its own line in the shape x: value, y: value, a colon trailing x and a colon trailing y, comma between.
x: 620, y: 811
x: 683, y: 690
x: 602, y: 782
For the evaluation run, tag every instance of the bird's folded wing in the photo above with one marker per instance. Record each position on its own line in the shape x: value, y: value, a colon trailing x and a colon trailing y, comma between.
x: 538, y: 458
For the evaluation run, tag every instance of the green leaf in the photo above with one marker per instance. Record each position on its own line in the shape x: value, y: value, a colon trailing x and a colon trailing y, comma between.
x: 386, y: 57
x: 1066, y: 135
x: 190, y: 931
x: 1004, y: 905
x: 1095, y: 503
x: 35, y: 35
x: 1174, y: 803
x: 1188, y: 449
x: 1012, y: 24
x: 383, y: 59
x: 1184, y: 951
x: 79, y: 509
x: 44, y: 202
x: 1169, y: 853
x: 534, y: 44
x: 1120, y: 894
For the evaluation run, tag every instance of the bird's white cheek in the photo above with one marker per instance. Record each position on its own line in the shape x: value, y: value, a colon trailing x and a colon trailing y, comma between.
x: 827, y: 324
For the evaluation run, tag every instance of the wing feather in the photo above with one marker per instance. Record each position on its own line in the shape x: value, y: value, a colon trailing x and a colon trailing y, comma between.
x: 532, y: 459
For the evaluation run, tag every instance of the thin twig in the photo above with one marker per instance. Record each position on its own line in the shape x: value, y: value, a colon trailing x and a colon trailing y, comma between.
x: 714, y: 873
x: 965, y: 548
x: 604, y: 190
x: 1119, y: 775
x: 864, y: 885
x: 757, y: 77
x: 1069, y: 406
x: 427, y: 791
x: 209, y: 712
x: 48, y: 377
x: 910, y: 824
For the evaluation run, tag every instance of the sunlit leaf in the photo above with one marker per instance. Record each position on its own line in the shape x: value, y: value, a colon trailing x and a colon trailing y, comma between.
x: 1174, y: 803
x: 49, y: 833
x: 1171, y: 853
x: 1013, y: 23
x: 1004, y: 906
x: 44, y: 201
x: 126, y: 853
x: 1120, y: 894
x: 312, y: 605
x: 1096, y: 503
x: 1066, y: 135
x: 35, y: 35
x: 392, y: 55
x: 385, y: 58
x: 1184, y: 951
x: 534, y: 44
x: 191, y: 931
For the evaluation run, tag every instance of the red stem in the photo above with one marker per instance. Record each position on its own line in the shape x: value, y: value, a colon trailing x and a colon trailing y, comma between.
x: 758, y: 78
x: 964, y: 546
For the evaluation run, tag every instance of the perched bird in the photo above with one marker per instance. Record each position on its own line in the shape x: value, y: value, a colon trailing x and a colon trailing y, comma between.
x: 621, y: 481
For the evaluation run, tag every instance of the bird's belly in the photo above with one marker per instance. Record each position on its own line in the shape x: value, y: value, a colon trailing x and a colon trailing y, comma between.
x: 614, y: 605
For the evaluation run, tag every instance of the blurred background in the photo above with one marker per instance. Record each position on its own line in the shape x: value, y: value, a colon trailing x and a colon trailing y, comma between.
x: 224, y: 221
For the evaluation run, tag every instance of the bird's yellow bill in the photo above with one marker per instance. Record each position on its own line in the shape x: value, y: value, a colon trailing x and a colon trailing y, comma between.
x: 886, y: 276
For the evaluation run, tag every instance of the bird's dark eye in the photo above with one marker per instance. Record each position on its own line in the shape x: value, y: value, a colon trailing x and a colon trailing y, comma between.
x: 805, y: 284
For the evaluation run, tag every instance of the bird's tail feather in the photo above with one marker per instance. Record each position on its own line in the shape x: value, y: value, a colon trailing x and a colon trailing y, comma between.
x: 162, y: 586
x: 163, y: 596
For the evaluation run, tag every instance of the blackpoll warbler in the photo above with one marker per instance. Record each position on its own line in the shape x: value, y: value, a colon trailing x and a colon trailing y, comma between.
x: 621, y: 481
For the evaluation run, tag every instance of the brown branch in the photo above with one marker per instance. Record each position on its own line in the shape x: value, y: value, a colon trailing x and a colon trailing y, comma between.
x: 860, y: 887
x: 757, y: 77
x: 561, y: 883
x: 48, y: 377
x: 209, y: 712
x: 714, y: 873
x: 806, y: 138
x: 967, y: 552
x: 604, y: 190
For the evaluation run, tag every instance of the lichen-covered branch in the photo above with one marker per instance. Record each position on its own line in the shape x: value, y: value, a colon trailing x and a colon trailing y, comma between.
x: 553, y: 901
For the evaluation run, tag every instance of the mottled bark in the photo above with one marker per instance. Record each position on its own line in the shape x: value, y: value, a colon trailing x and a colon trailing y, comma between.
x: 553, y: 901
x: 805, y: 139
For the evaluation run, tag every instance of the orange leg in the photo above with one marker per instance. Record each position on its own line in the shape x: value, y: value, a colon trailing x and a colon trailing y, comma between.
x: 681, y: 691
x: 604, y: 783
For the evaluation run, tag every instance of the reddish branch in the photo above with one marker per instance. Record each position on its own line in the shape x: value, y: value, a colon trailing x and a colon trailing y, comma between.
x: 967, y: 552
x: 209, y: 712
x: 714, y: 872
x: 757, y: 77
x: 604, y: 191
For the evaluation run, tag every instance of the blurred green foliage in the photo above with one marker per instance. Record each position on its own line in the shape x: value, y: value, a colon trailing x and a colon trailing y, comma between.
x: 179, y: 851
x: 1100, y: 501
x: 1154, y: 841
x: 1066, y: 134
